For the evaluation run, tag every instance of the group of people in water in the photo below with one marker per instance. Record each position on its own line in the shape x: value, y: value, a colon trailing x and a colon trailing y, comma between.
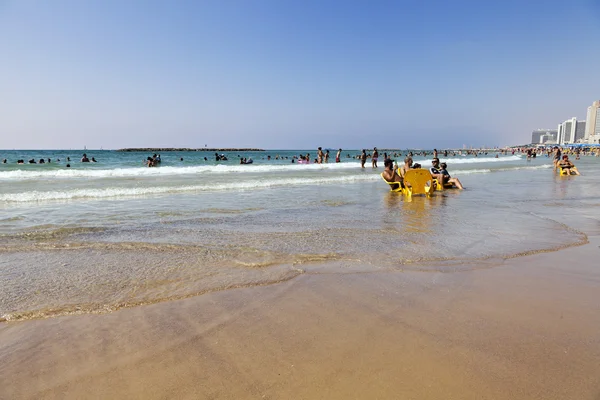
x: 153, y: 161
x: 439, y: 172
x: 84, y: 159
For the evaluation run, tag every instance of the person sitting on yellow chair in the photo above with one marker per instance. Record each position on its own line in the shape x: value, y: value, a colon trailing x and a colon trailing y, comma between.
x: 408, y: 162
x: 390, y: 175
x: 567, y: 166
x: 442, y: 175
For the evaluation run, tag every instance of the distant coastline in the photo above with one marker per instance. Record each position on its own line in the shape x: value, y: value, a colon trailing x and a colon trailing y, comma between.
x: 163, y: 149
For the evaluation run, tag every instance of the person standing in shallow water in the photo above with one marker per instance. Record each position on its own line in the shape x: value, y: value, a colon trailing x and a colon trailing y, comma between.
x: 326, y: 156
x: 319, y: 155
x: 363, y: 158
x: 338, y: 155
x: 374, y: 157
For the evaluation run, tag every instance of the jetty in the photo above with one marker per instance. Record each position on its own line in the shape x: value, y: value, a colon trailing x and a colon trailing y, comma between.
x: 165, y: 149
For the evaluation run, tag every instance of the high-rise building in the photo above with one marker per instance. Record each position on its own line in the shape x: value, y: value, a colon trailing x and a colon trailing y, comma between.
x: 548, y: 138
x: 592, y: 126
x: 541, y: 136
x: 579, y: 132
x: 566, y: 131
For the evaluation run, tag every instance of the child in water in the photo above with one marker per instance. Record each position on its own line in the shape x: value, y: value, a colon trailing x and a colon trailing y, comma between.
x: 443, y: 169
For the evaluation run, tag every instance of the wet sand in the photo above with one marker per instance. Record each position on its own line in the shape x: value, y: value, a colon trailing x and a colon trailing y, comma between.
x: 525, y: 329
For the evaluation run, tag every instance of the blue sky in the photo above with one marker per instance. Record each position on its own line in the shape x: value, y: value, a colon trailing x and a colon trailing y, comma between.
x: 293, y: 74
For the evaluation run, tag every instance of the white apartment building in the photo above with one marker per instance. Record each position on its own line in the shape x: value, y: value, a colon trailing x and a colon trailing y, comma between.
x: 566, y: 131
x: 541, y: 136
x: 592, y: 126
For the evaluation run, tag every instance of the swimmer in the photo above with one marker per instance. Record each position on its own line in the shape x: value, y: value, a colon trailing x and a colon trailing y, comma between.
x: 374, y: 157
x: 337, y: 156
x: 363, y: 158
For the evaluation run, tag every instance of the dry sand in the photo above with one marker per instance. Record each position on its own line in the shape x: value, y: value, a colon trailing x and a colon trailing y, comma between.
x: 526, y: 329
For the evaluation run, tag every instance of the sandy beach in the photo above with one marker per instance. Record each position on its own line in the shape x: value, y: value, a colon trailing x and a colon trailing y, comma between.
x: 526, y: 328
x: 201, y: 200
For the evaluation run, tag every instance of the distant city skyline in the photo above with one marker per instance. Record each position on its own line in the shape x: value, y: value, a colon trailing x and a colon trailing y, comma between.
x: 572, y: 130
x: 290, y: 74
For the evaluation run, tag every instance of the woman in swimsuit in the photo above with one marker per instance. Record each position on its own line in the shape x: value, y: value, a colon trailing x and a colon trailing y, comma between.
x: 374, y: 157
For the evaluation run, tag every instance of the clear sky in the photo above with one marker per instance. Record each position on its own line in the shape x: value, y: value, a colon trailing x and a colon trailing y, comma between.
x: 283, y: 74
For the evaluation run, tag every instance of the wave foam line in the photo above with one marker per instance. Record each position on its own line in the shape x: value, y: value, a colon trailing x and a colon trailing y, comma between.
x: 20, y: 175
x: 34, y: 196
x: 504, y: 169
x: 476, y: 160
x: 168, y: 171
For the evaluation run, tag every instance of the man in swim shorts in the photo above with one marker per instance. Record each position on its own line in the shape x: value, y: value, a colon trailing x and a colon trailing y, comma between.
x: 390, y: 175
x: 338, y: 155
x: 408, y: 162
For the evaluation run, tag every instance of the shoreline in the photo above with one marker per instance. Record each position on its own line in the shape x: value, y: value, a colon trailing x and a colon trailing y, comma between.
x: 526, y: 329
x: 298, y: 268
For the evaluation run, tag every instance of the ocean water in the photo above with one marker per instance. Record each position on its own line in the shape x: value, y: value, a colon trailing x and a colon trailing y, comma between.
x: 97, y: 237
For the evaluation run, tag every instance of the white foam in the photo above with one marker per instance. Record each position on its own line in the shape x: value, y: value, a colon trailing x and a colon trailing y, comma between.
x: 486, y: 171
x: 169, y: 171
x: 475, y: 160
x: 76, y: 173
x: 34, y: 196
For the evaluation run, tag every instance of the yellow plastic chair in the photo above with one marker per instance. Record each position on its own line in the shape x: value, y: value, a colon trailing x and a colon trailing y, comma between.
x: 564, y: 173
x: 419, y: 181
x: 394, y: 186
x: 447, y: 185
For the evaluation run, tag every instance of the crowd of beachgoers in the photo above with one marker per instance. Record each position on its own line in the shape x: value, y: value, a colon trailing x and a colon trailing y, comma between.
x: 324, y: 156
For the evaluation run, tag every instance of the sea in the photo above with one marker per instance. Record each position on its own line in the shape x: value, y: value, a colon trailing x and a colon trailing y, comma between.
x: 98, y: 237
